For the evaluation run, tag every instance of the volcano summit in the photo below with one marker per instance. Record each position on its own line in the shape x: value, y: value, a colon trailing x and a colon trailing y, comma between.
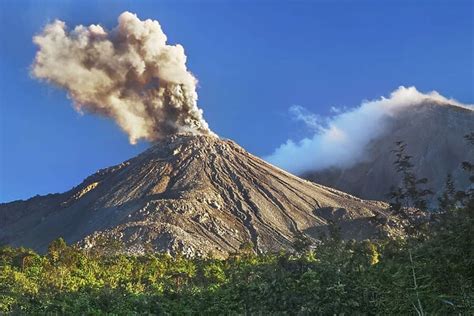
x: 189, y: 194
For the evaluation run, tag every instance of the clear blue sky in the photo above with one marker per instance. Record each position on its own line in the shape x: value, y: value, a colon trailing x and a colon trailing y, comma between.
x: 254, y: 59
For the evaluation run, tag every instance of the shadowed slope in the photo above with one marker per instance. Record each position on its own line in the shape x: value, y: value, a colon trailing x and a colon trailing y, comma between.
x: 434, y: 133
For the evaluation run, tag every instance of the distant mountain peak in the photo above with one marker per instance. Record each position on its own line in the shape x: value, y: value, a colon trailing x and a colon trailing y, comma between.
x: 434, y: 132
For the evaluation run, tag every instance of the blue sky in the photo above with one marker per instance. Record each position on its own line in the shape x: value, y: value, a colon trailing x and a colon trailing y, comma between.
x: 253, y: 59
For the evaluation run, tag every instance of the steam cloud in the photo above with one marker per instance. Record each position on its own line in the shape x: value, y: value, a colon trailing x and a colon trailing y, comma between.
x: 340, y: 141
x: 129, y: 74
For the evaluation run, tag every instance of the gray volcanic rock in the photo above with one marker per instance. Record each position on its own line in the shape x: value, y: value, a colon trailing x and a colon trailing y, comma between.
x: 194, y: 195
x: 434, y: 135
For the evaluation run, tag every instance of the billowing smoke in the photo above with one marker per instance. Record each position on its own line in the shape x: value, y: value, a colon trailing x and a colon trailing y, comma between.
x: 129, y: 74
x: 340, y: 140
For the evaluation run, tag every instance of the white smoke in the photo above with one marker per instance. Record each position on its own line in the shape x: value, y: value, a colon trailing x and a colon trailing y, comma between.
x: 340, y: 141
x: 129, y: 74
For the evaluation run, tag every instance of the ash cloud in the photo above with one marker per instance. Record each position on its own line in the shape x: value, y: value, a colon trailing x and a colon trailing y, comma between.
x: 340, y: 140
x: 129, y: 74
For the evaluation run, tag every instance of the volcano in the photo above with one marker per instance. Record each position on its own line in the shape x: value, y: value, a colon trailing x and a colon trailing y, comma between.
x: 434, y: 133
x: 193, y: 195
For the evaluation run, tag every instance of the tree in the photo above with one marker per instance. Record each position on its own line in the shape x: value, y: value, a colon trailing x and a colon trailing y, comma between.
x: 447, y: 201
x: 409, y: 198
x: 56, y: 248
x: 412, y: 192
x: 466, y: 198
x: 301, y: 243
x: 246, y: 248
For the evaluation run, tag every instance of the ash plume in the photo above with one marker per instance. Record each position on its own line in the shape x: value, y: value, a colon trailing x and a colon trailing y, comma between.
x: 129, y: 74
x: 341, y: 140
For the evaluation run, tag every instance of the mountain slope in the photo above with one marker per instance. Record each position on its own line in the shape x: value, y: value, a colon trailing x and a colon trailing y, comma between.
x: 434, y: 136
x: 190, y: 194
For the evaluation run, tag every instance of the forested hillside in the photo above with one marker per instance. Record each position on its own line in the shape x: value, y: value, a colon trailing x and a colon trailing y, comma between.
x: 426, y: 274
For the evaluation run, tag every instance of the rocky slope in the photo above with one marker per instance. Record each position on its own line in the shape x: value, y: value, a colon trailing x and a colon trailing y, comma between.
x: 434, y: 136
x: 191, y: 194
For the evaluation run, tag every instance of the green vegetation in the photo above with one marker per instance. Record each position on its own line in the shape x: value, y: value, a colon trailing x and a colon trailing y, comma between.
x: 429, y: 272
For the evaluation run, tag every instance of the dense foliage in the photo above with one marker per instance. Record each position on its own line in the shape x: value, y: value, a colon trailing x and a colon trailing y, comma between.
x: 429, y: 272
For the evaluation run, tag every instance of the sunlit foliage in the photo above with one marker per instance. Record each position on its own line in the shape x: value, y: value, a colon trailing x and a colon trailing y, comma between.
x: 333, y: 277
